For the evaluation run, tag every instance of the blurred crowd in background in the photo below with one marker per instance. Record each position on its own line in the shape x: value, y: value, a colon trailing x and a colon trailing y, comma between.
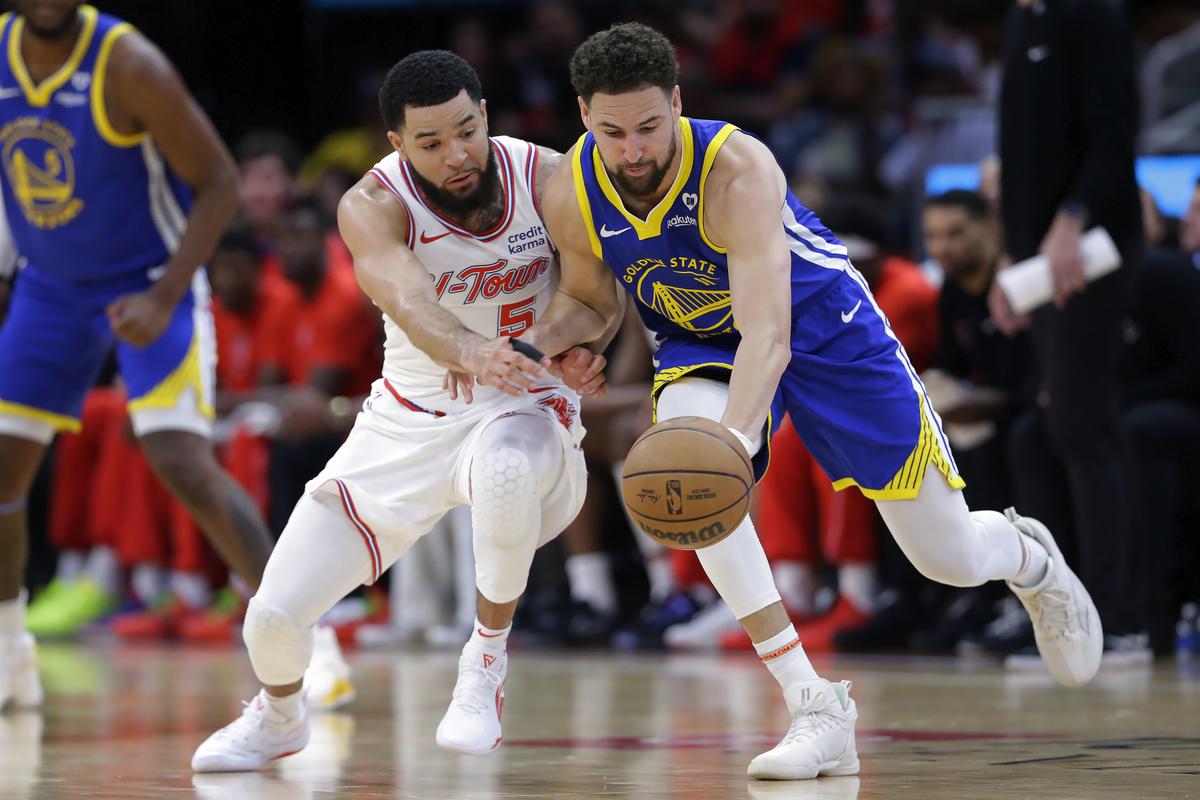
x: 862, y: 101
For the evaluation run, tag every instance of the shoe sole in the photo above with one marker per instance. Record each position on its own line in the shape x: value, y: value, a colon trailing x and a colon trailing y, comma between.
x: 465, y: 752
x: 829, y: 769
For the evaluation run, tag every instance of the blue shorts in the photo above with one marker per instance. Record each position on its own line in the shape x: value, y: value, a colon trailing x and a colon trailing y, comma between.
x: 55, y: 341
x: 850, y: 390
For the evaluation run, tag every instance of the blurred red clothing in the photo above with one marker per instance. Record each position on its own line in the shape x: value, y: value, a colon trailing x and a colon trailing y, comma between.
x: 242, y: 339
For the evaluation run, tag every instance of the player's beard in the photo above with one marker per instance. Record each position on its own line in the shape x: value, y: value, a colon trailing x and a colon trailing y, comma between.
x: 57, y: 32
x: 460, y: 206
x: 647, y: 184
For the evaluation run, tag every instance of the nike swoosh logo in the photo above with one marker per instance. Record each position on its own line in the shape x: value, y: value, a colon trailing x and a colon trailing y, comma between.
x: 427, y: 239
x: 849, y: 315
x: 605, y: 232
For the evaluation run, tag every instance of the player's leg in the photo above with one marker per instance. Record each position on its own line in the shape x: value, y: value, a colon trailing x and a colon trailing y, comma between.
x: 515, y: 467
x: 50, y: 352
x: 170, y: 404
x: 950, y: 544
x: 320, y: 557
x: 821, y: 737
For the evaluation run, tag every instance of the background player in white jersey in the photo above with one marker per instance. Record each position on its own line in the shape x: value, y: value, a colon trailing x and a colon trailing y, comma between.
x: 448, y: 242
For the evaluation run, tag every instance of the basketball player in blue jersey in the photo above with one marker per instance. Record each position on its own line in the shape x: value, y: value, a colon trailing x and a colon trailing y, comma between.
x: 758, y: 311
x: 115, y: 188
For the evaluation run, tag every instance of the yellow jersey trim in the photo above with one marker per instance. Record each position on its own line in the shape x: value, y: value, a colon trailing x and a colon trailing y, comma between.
x: 99, y: 110
x: 585, y: 206
x: 710, y: 156
x: 671, y: 374
x: 652, y: 225
x: 186, y: 376
x: 39, y: 96
x: 60, y: 422
x: 907, y: 481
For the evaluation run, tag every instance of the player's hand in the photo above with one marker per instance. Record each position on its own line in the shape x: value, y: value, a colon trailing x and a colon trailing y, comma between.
x: 581, y: 370
x: 141, y: 318
x: 1061, y: 247
x: 306, y: 413
x: 496, y: 363
x: 1007, y: 321
x: 459, y: 383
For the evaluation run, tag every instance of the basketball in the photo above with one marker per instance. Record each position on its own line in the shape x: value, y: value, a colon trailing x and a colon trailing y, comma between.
x: 687, y: 482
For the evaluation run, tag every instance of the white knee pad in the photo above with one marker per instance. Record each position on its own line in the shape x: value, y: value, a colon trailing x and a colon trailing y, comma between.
x: 506, y: 518
x: 504, y: 496
x: 280, y: 648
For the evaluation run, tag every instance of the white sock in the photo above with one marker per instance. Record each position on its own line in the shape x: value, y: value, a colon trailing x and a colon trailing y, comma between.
x: 495, y: 639
x: 784, y: 656
x: 797, y: 584
x: 1035, y: 561
x: 591, y: 581
x: 147, y: 582
x: 191, y: 588
x: 856, y: 583
x: 662, y: 579
x: 12, y: 615
x: 70, y: 565
x: 104, y: 569
x: 290, y: 705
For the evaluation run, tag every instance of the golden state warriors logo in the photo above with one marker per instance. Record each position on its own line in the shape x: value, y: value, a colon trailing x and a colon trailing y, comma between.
x: 41, y: 171
x: 690, y: 292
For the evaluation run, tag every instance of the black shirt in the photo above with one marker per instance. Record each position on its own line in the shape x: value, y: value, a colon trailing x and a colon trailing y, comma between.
x: 1162, y: 355
x: 971, y: 346
x: 1068, y: 121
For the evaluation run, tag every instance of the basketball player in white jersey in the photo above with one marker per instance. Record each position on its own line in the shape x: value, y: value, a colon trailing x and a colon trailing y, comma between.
x: 448, y: 242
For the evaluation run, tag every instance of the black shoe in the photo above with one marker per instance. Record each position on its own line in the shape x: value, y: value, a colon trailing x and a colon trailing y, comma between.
x: 967, y: 614
x: 647, y: 632
x: 1009, y: 633
x: 890, y: 628
x: 588, y: 627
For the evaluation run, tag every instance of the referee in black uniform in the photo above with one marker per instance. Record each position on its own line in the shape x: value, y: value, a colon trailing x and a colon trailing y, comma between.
x: 1068, y: 123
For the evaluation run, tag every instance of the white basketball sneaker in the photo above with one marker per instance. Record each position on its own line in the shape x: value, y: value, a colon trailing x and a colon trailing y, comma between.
x: 327, y: 682
x: 19, y: 681
x: 1066, y: 624
x: 820, y: 740
x: 472, y: 722
x: 259, y: 735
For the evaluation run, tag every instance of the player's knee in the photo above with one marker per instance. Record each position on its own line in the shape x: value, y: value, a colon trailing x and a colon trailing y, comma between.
x: 504, y: 496
x: 279, y: 646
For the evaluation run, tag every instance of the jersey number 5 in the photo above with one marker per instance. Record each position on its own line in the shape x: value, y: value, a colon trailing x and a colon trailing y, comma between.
x: 515, y: 318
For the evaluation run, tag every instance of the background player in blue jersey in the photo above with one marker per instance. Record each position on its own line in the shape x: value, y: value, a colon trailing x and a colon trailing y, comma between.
x: 758, y: 310
x: 115, y: 187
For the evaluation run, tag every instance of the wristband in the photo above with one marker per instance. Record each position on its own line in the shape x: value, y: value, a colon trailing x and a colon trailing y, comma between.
x: 527, y: 350
x: 745, y: 440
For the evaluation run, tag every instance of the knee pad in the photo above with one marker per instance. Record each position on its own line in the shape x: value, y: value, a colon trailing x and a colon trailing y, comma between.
x: 505, y: 497
x: 280, y: 648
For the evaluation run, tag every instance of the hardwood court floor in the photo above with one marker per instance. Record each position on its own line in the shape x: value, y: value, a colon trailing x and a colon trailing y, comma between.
x: 121, y: 722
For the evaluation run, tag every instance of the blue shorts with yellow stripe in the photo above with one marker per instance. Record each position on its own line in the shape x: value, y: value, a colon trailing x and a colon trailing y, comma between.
x: 850, y: 390
x: 57, y: 337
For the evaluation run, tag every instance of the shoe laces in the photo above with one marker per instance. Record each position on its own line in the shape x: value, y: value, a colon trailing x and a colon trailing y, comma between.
x: 1053, y: 610
x: 475, y: 690
x: 254, y: 716
x: 811, y: 721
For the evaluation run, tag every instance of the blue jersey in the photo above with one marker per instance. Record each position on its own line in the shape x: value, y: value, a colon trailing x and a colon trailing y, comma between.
x: 849, y: 387
x: 86, y: 204
x: 677, y: 275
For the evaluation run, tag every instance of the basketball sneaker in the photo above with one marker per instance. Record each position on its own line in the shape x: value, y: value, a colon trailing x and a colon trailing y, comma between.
x: 260, y: 734
x: 472, y: 722
x: 1066, y: 625
x: 19, y: 680
x: 820, y: 740
x: 327, y: 680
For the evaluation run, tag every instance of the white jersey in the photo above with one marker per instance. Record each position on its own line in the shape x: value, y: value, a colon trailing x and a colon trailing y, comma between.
x: 498, y: 282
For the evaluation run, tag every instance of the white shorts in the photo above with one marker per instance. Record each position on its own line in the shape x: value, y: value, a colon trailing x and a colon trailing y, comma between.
x: 401, y: 469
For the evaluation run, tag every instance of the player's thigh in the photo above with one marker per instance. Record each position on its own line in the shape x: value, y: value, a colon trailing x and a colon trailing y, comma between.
x: 51, y: 350
x: 318, y: 560
x: 171, y: 381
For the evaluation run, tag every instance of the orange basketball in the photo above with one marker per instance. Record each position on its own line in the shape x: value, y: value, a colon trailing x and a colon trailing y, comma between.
x: 687, y: 482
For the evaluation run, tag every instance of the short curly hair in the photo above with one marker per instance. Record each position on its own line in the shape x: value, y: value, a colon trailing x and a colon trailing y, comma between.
x: 624, y: 58
x: 425, y: 78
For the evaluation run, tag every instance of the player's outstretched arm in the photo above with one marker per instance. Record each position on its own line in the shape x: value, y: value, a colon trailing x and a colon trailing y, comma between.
x: 375, y: 229
x: 144, y: 94
x: 745, y: 194
x: 587, y: 305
